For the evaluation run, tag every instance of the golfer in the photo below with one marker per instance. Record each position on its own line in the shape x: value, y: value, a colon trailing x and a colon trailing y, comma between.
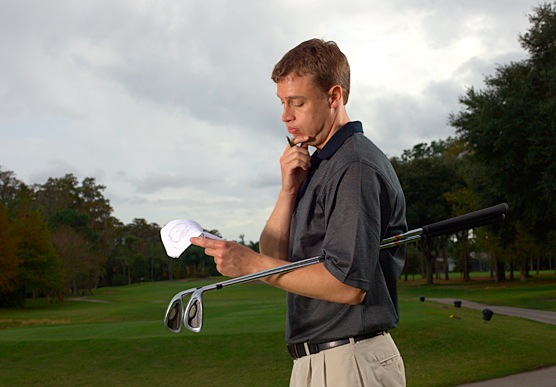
x: 339, y: 202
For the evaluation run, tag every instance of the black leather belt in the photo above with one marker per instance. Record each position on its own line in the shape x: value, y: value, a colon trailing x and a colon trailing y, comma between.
x: 298, y: 350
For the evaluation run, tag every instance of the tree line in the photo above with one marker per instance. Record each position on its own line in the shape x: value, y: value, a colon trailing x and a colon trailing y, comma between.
x: 59, y: 238
x: 504, y: 151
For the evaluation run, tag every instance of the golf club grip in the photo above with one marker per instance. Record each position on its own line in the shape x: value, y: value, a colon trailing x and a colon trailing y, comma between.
x: 465, y: 222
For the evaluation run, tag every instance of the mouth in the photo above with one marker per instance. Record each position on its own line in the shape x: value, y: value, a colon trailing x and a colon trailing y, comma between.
x: 293, y: 131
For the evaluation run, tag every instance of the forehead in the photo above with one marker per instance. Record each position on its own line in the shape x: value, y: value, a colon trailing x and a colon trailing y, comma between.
x: 295, y: 86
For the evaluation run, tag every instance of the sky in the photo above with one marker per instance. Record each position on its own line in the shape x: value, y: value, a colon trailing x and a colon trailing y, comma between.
x: 169, y: 104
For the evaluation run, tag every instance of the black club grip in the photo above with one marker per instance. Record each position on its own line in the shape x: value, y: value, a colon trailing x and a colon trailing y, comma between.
x: 465, y: 222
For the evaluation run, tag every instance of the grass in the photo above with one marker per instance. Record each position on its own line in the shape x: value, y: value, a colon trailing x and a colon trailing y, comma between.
x: 539, y: 292
x: 120, y: 341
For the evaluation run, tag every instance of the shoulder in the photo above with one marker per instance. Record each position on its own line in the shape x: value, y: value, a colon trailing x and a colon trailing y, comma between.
x: 359, y: 151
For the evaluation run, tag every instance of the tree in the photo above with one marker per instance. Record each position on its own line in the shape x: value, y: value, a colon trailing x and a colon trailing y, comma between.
x: 9, y: 188
x: 40, y: 268
x: 83, y: 229
x: 509, y: 130
x: 57, y: 194
x: 139, y: 254
x: 427, y: 173
x: 9, y: 262
x: 99, y: 211
x: 74, y: 253
x: 462, y: 201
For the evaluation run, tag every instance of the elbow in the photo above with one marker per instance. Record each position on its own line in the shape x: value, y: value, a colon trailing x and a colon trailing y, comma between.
x: 346, y: 294
x: 356, y: 296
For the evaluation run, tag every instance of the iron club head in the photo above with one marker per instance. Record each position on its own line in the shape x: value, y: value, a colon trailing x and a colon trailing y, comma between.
x: 193, y: 315
x: 174, y: 316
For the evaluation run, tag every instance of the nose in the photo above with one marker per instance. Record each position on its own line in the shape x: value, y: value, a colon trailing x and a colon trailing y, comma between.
x: 287, y: 114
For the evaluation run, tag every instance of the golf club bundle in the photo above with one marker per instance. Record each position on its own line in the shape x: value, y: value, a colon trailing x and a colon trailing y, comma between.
x: 191, y: 315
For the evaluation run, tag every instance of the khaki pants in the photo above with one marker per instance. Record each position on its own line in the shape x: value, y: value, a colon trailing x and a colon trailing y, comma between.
x: 372, y: 362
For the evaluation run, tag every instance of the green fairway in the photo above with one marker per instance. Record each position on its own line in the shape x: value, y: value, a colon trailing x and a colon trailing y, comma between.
x: 116, y: 337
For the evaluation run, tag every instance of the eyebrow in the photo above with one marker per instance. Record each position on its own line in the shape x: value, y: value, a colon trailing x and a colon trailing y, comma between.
x: 289, y: 98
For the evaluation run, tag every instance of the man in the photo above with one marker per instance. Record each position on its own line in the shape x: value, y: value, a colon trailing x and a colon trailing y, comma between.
x: 340, y: 202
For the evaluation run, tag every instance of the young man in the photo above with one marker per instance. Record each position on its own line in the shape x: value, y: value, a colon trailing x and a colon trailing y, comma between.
x: 339, y: 202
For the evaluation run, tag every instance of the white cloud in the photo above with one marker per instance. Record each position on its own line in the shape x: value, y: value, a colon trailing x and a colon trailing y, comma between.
x: 171, y: 107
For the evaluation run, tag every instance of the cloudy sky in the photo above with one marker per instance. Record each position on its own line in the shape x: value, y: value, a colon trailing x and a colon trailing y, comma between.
x: 169, y: 104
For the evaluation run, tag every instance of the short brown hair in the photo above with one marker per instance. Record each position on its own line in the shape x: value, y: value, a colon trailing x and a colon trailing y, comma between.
x: 323, y: 60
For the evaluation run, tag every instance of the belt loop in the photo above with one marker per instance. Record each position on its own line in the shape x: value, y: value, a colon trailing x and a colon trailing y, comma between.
x: 306, y: 346
x: 351, y: 340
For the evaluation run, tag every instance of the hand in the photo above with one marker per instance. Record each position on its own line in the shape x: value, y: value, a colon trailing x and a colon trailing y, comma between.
x: 231, y: 258
x: 294, y: 164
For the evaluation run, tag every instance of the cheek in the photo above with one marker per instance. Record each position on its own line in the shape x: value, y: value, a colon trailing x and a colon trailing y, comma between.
x: 315, y: 120
x: 308, y: 115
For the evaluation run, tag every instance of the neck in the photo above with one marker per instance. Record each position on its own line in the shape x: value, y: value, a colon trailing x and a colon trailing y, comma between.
x: 340, y: 119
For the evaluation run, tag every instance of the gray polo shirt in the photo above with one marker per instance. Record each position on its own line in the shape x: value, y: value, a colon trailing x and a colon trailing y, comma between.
x: 350, y: 201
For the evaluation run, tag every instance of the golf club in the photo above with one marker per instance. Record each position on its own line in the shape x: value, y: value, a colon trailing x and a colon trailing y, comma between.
x: 192, y: 314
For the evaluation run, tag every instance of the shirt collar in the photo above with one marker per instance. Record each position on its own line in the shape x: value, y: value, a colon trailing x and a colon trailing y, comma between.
x: 338, y: 139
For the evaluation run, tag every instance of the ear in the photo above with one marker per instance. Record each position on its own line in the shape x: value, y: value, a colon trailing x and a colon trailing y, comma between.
x: 335, y: 96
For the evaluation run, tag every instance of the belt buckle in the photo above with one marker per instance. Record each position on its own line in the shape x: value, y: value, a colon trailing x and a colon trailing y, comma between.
x: 313, y: 348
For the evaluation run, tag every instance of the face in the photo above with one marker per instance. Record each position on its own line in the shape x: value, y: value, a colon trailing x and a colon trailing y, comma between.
x: 307, y: 109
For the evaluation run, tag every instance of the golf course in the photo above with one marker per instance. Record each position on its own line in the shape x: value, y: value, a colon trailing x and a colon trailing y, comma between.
x: 116, y: 336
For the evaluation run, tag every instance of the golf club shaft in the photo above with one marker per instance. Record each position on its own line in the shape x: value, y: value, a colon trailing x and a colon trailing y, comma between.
x: 448, y: 226
x: 194, y: 309
x: 294, y: 266
x: 265, y: 273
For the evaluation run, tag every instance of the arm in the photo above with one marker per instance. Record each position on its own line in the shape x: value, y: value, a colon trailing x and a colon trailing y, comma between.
x: 315, y: 281
x: 274, y: 239
x: 294, y: 164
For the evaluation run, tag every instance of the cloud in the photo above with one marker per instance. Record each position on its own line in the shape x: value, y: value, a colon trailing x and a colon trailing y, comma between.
x: 171, y: 107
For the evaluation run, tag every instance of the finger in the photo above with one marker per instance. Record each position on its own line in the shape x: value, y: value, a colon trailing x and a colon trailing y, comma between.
x: 297, y: 159
x: 204, y: 242
x: 297, y: 152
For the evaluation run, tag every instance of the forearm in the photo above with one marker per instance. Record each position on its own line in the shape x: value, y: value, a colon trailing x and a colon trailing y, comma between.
x: 274, y: 239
